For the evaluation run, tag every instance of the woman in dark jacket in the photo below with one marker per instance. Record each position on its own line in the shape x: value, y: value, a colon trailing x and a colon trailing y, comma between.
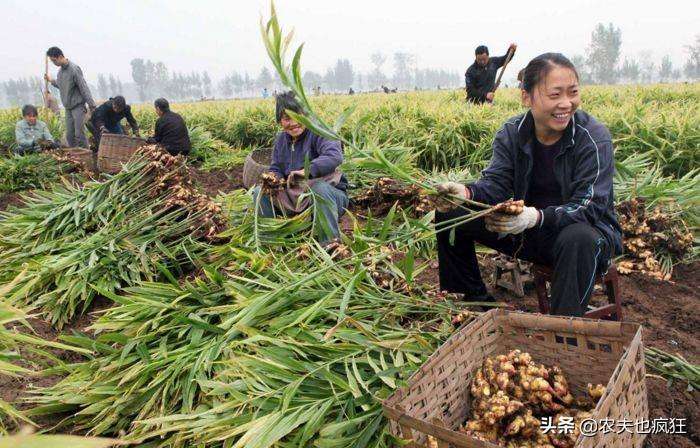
x: 107, y: 117
x: 559, y: 160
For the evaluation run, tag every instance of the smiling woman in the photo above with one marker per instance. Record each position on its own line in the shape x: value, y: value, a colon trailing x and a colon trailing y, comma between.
x: 559, y: 161
x: 551, y: 91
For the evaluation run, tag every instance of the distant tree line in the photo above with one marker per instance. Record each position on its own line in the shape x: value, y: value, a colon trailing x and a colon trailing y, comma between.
x: 108, y: 86
x: 23, y: 91
x: 406, y: 75
x: 601, y: 63
x: 153, y: 80
x: 342, y: 76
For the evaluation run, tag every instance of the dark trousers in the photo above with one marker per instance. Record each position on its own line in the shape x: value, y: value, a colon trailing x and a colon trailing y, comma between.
x: 577, y: 254
x: 476, y: 99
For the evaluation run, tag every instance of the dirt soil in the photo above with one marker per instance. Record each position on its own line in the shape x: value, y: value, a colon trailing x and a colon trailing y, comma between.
x: 218, y: 181
x: 673, y: 402
x: 8, y: 199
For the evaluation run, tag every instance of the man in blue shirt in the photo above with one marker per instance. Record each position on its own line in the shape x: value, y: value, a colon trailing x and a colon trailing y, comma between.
x: 30, y: 133
x: 292, y: 147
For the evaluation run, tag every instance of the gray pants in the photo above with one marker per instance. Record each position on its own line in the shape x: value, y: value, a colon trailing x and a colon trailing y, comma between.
x: 331, y: 202
x: 75, y: 127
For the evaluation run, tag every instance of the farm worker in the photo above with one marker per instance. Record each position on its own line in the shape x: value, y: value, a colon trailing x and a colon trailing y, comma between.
x: 171, y: 130
x: 293, y: 146
x: 559, y: 160
x: 74, y: 94
x: 107, y: 116
x: 480, y: 77
x: 31, y: 135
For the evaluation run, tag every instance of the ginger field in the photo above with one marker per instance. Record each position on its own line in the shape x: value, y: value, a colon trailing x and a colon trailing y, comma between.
x: 656, y: 132
x: 158, y: 330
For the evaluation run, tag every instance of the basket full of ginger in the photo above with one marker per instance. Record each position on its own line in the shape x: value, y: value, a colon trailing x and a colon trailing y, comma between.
x: 511, y: 379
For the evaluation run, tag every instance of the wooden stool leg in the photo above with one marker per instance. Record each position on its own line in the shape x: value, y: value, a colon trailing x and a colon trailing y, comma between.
x: 612, y: 290
x: 541, y: 289
x: 407, y: 433
x: 440, y: 443
x: 518, y: 281
x: 496, y: 275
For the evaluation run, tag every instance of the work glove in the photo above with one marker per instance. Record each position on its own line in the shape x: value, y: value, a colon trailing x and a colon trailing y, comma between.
x: 456, y: 192
x: 104, y: 130
x: 513, y: 224
x: 294, y: 178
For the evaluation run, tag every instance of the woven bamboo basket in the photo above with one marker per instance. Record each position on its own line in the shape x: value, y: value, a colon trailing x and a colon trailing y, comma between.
x: 436, y: 400
x: 115, y: 150
x: 85, y: 156
x: 256, y: 163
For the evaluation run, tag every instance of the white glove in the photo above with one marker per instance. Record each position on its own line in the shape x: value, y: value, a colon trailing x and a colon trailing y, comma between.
x: 513, y: 224
x: 457, y: 192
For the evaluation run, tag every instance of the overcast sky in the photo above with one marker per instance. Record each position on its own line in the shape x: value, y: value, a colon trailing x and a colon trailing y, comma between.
x: 221, y: 36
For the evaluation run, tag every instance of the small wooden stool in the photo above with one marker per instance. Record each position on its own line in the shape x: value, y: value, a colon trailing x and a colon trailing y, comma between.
x: 519, y: 275
x: 609, y: 281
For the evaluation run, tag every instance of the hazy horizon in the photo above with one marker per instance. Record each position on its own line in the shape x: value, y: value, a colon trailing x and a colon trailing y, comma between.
x: 221, y: 37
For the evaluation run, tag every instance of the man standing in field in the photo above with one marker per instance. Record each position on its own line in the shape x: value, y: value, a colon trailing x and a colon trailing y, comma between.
x: 171, y: 131
x: 480, y: 77
x: 74, y: 94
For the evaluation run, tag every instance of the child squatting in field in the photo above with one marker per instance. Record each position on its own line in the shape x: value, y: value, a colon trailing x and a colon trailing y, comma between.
x: 559, y: 160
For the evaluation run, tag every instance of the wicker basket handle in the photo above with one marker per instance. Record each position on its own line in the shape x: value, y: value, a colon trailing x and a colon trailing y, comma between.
x: 570, y: 325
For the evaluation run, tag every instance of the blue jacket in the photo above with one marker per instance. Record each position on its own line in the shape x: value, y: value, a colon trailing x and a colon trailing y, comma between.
x: 324, y: 156
x: 584, y: 169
